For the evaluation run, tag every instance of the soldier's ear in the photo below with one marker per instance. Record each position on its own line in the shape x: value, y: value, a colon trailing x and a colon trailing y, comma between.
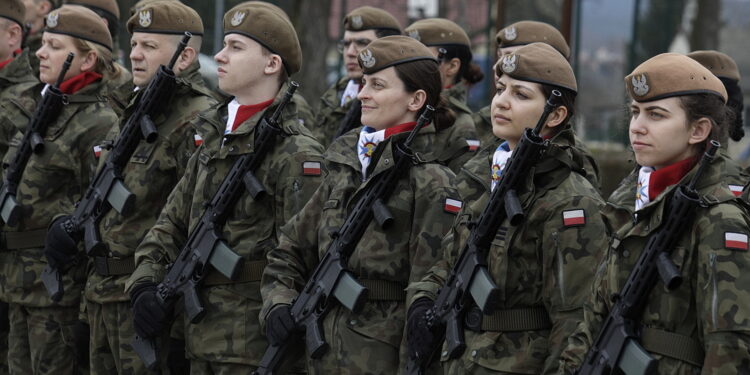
x: 89, y: 61
x: 187, y: 57
x: 418, y: 98
x: 700, y: 130
x: 557, y: 116
x: 273, y: 64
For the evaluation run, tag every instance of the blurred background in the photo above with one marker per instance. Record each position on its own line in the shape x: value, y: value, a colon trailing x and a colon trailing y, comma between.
x: 608, y: 39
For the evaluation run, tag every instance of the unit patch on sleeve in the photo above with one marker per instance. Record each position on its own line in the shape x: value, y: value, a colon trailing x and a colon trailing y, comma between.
x: 311, y: 168
x: 198, y: 140
x: 452, y: 205
x: 736, y: 190
x: 574, y: 218
x: 735, y: 241
x: 97, y: 151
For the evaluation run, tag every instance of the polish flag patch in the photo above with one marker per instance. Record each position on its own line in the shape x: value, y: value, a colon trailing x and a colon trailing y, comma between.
x: 736, y: 190
x: 473, y: 144
x: 574, y: 218
x: 735, y: 241
x: 97, y: 151
x: 197, y: 140
x: 311, y: 168
x: 452, y: 206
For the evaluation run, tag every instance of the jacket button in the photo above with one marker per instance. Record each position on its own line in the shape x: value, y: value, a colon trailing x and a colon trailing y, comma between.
x: 352, y: 322
x: 473, y: 353
x: 231, y: 149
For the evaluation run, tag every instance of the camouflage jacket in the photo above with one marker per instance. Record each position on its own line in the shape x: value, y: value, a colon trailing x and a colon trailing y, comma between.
x: 711, y: 306
x: 51, y: 185
x: 483, y: 124
x: 120, y: 90
x: 455, y: 145
x: 230, y: 331
x: 33, y: 42
x: 152, y: 172
x: 329, y: 113
x: 397, y: 255
x: 736, y: 176
x: 17, y: 97
x: 547, y: 262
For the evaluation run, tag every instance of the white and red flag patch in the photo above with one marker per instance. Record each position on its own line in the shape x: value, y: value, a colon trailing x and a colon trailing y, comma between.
x: 736, y: 190
x: 574, y: 217
x: 452, y: 205
x: 97, y: 151
x: 311, y: 168
x: 735, y: 241
x: 198, y: 140
x: 473, y: 144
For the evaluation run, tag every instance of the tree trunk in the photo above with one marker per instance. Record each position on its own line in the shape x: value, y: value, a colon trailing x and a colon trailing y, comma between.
x: 311, y: 21
x: 706, y: 26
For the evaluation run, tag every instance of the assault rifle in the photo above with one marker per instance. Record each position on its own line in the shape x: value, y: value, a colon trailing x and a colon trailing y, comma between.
x: 331, y: 280
x: 205, y: 245
x: 106, y: 190
x: 616, y: 347
x: 46, y: 112
x: 469, y: 279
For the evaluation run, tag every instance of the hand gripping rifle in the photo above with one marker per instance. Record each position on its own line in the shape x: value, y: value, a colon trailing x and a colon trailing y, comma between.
x: 331, y: 281
x: 616, y: 348
x: 469, y: 279
x: 46, y: 112
x: 205, y: 245
x: 107, y: 190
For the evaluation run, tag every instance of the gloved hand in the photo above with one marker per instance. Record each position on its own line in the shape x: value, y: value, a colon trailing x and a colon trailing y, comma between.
x: 419, y: 337
x: 150, y: 318
x: 279, y: 325
x: 60, y: 247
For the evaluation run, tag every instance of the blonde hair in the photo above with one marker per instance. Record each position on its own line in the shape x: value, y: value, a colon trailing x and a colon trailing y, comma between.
x: 104, y: 64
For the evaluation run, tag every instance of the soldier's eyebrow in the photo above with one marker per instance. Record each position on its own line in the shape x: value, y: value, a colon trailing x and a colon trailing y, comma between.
x: 655, y: 107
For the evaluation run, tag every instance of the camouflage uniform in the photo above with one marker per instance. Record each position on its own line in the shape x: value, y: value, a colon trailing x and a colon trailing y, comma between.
x: 329, y: 113
x: 453, y: 145
x: 152, y: 172
x: 371, y: 341
x: 33, y: 42
x: 17, y: 97
x: 545, y: 265
x: 483, y: 124
x: 120, y: 90
x: 711, y: 307
x: 230, y: 332
x: 41, y: 331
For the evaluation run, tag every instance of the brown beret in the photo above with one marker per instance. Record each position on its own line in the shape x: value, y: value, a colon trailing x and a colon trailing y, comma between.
x: 140, y: 4
x: 269, y: 27
x: 166, y: 17
x: 105, y: 6
x: 438, y: 32
x: 392, y: 50
x: 525, y: 32
x: 540, y: 63
x: 672, y: 74
x: 720, y: 64
x: 79, y: 22
x: 13, y: 10
x: 368, y: 18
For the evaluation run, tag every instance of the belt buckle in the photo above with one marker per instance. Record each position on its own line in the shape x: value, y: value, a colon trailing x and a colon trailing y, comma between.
x: 101, y: 266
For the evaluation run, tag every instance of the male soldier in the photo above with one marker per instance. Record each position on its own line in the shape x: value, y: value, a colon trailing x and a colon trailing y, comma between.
x: 725, y: 69
x: 261, y: 50
x: 16, y: 77
x: 36, y: 13
x: 152, y: 172
x: 458, y: 143
x: 361, y: 26
x: 120, y: 88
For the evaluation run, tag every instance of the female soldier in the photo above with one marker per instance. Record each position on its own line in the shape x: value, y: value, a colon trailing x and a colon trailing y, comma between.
x: 543, y: 266
x: 677, y: 107
x: 41, y: 331
x: 457, y: 73
x: 400, y: 78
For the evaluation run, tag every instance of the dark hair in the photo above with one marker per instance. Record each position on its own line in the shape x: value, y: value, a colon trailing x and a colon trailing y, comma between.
x: 112, y: 23
x: 425, y: 75
x: 737, y: 105
x: 568, y: 99
x: 382, y: 33
x: 697, y: 106
x: 469, y: 71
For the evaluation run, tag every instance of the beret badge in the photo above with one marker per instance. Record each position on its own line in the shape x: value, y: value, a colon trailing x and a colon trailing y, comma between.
x: 237, y: 18
x: 640, y: 86
x: 510, y: 33
x: 144, y: 18
x: 368, y: 60
x: 52, y: 19
x: 357, y: 22
x: 414, y: 34
x: 509, y: 63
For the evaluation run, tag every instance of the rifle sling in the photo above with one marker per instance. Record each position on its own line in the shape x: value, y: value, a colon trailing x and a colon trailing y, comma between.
x: 534, y: 318
x: 673, y: 345
x: 250, y: 271
x: 384, y: 290
x: 105, y: 266
x: 23, y: 240
x: 84, y: 99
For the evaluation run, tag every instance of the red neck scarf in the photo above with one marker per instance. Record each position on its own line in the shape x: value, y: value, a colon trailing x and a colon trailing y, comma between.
x: 663, y: 178
x: 244, y: 112
x: 74, y: 84
x: 401, y: 128
x: 6, y: 62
